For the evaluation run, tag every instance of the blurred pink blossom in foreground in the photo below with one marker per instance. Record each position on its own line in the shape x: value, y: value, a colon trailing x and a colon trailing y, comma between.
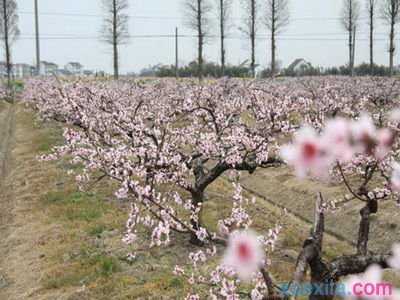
x: 394, y: 261
x: 395, y: 180
x: 244, y: 254
x: 306, y: 153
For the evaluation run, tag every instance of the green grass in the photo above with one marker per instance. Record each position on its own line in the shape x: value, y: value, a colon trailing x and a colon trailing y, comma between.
x: 49, y: 140
x: 97, y: 230
x: 77, y: 206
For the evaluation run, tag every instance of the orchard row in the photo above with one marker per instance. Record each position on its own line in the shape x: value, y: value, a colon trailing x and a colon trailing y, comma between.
x: 165, y: 142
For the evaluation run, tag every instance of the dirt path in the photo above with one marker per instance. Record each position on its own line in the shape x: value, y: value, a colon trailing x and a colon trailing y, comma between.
x: 7, y: 113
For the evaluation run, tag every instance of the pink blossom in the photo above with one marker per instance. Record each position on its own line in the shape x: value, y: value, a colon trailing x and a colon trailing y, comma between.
x: 244, y: 253
x: 385, y: 140
x: 228, y: 290
x: 223, y: 230
x: 364, y: 134
x: 395, y: 179
x: 306, y: 154
x: 256, y: 295
x: 395, y: 115
x: 192, y: 297
x: 202, y: 234
x: 178, y: 271
x: 336, y: 138
x: 395, y: 295
x: 394, y: 261
x: 373, y: 275
x: 131, y: 257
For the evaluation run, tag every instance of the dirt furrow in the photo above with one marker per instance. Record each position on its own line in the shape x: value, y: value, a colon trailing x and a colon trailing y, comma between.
x: 7, y: 113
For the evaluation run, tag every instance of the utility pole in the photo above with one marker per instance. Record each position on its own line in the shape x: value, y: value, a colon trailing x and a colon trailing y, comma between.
x: 37, y: 38
x: 353, y: 52
x: 176, y: 53
x: 6, y: 20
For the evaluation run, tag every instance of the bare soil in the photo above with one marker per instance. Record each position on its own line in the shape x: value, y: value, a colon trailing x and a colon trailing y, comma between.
x: 6, y: 203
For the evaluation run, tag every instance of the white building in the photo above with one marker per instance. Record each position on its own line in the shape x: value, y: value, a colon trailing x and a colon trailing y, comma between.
x: 3, y: 69
x: 74, y: 68
x: 299, y: 65
x: 88, y: 72
x: 48, y: 68
x: 23, y: 70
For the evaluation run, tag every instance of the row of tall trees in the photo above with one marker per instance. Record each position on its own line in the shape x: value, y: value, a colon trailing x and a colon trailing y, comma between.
x: 275, y: 17
x: 387, y: 10
x: 274, y: 14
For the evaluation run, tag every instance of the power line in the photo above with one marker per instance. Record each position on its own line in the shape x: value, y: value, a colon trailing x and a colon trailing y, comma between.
x: 284, y: 34
x: 144, y: 17
x: 172, y: 36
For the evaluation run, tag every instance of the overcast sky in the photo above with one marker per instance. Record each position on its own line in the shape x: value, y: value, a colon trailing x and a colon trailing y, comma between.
x: 70, y: 29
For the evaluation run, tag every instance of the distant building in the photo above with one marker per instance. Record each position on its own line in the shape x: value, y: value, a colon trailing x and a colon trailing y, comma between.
x: 48, y: 68
x: 63, y: 72
x: 299, y: 66
x: 3, y: 69
x: 88, y: 72
x: 23, y: 70
x: 100, y: 74
x: 74, y: 68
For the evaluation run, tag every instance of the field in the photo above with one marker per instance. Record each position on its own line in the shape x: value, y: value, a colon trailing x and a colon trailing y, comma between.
x: 63, y: 242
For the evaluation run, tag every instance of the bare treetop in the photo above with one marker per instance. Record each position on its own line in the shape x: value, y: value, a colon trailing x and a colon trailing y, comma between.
x: 9, y: 32
x: 350, y: 14
x: 371, y: 5
x: 390, y: 11
x: 224, y: 9
x: 198, y: 19
x: 9, y: 22
x: 227, y: 9
x: 371, y: 8
x: 390, y: 14
x: 251, y: 16
x: 115, y: 27
x: 198, y: 12
x: 250, y: 28
x: 277, y: 14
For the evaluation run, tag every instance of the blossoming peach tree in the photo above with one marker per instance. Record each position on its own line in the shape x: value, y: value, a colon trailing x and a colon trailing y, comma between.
x: 166, y: 142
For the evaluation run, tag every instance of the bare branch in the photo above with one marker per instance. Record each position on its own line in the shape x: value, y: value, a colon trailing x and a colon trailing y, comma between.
x: 349, y: 20
x: 115, y: 29
x: 390, y: 14
x: 9, y: 32
x: 197, y: 14
x: 276, y: 19
x: 250, y: 28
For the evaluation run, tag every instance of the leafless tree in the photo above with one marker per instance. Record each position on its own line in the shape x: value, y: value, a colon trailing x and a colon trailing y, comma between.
x: 115, y: 28
x: 198, y: 19
x: 9, y: 31
x: 276, y: 19
x: 371, y: 9
x: 390, y: 13
x: 224, y: 9
x: 350, y: 18
x: 250, y: 28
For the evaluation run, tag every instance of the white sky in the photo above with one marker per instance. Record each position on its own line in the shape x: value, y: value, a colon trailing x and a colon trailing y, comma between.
x: 314, y: 33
